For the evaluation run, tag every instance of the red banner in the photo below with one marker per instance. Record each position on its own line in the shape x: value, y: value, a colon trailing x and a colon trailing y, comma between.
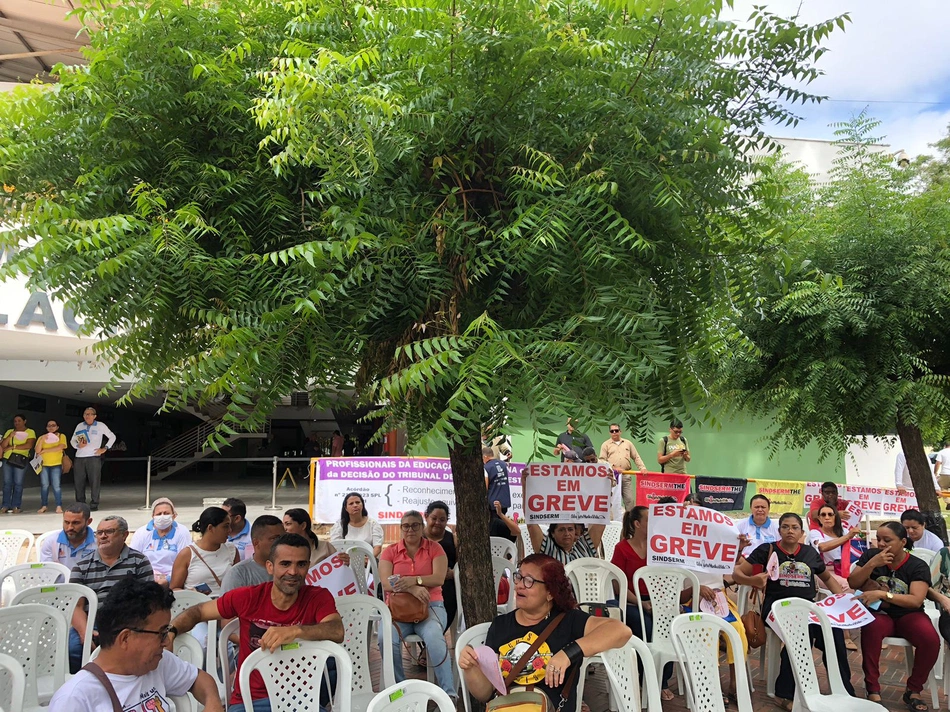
x: 653, y: 485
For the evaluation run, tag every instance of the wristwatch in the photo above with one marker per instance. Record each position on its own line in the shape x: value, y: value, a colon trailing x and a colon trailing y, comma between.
x: 890, y: 596
x: 418, y: 580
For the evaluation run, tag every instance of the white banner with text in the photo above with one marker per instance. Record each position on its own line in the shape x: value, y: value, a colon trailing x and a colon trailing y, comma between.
x: 567, y: 492
x: 695, y: 538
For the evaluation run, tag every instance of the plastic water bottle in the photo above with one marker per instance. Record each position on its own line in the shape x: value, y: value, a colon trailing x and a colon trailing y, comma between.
x: 393, y: 580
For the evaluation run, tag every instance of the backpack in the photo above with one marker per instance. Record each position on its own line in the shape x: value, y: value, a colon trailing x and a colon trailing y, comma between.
x: 666, y: 441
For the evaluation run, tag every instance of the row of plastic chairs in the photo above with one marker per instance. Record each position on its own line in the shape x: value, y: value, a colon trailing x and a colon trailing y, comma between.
x: 608, y: 542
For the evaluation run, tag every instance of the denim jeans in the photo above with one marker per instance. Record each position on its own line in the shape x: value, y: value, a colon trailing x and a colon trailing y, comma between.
x: 431, y: 632
x: 75, y: 651
x: 12, y: 485
x: 51, y: 475
x: 261, y: 705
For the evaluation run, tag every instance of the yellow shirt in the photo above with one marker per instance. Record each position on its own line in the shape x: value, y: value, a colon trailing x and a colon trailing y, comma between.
x: 51, y: 459
x: 18, y: 437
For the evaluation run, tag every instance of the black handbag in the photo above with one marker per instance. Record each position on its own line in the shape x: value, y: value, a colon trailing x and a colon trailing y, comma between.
x: 18, y: 460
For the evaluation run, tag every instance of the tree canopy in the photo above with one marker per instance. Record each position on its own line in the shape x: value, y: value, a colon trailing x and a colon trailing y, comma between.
x: 452, y: 208
x: 849, y: 339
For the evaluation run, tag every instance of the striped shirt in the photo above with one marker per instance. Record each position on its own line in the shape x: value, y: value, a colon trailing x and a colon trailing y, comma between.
x: 582, y: 548
x: 100, y: 577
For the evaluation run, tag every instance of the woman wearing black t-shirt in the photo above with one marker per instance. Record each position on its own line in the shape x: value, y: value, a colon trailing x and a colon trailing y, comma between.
x: 899, y: 581
x: 798, y: 565
x: 542, y: 590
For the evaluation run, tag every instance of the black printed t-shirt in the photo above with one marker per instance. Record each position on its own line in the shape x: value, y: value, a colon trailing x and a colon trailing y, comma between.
x: 897, y: 580
x: 796, y: 572
x: 511, y: 640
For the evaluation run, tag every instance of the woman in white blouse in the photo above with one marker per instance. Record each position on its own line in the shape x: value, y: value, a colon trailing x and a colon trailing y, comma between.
x: 355, y: 523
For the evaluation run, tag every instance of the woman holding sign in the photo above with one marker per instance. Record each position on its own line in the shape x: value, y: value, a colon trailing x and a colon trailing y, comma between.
x: 831, y: 541
x: 790, y: 571
x: 895, y: 584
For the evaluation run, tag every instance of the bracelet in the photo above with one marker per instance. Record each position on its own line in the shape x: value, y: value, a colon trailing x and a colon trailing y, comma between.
x: 573, y: 652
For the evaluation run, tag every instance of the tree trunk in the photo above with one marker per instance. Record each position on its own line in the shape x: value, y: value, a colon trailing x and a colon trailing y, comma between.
x: 474, y: 550
x: 921, y: 476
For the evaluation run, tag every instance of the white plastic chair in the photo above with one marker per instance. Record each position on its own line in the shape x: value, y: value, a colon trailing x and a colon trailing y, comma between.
x: 526, y: 541
x: 224, y: 659
x: 499, y: 567
x: 41, y: 574
x: 744, y: 604
x: 12, y: 683
x: 792, y: 616
x: 474, y: 636
x: 187, y: 648
x: 187, y: 599
x: 504, y: 548
x: 359, y: 612
x: 12, y: 542
x: 594, y: 581
x: 21, y: 630
x: 696, y: 640
x: 292, y: 675
x: 64, y: 597
x: 610, y: 539
x: 362, y: 561
x: 38, y: 544
x: 664, y: 585
x: 623, y: 678
x: 411, y: 696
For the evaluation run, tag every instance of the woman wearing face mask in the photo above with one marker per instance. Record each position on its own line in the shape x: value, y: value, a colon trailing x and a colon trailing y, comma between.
x: 15, y: 447
x: 162, y: 539
x: 51, y: 448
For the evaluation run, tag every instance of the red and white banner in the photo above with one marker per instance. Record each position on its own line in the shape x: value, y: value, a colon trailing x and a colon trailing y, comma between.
x: 333, y: 575
x: 843, y: 610
x: 573, y: 492
x: 876, y: 501
x: 654, y: 485
x: 692, y: 537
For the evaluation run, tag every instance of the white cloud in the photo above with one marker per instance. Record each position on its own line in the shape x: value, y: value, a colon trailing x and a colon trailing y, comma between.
x: 891, y: 53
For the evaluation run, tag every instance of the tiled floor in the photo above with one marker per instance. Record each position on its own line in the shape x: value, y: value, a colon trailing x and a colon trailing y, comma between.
x: 892, y: 679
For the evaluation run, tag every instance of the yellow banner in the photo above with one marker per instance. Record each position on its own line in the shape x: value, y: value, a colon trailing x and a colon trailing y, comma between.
x: 785, y: 496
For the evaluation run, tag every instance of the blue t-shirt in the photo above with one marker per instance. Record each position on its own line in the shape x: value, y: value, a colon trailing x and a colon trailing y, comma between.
x: 498, y: 491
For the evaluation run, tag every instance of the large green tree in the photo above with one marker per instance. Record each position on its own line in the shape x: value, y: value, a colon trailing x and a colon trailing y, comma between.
x: 463, y: 211
x: 849, y: 339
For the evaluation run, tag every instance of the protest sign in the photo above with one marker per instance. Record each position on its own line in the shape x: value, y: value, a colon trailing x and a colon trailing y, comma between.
x: 875, y: 501
x: 843, y: 610
x: 575, y: 492
x: 724, y: 494
x: 333, y: 575
x: 783, y: 496
x: 392, y: 485
x: 696, y: 538
x: 851, y: 516
x: 653, y: 485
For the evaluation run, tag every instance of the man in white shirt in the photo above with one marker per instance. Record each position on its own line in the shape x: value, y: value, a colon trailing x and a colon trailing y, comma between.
x: 913, y: 522
x: 902, y: 473
x: 133, y: 624
x: 87, y: 439
x: 759, y: 528
x: 77, y: 541
x: 942, y: 467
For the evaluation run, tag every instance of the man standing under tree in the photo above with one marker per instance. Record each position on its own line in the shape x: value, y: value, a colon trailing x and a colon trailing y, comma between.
x: 571, y: 443
x: 621, y: 454
x: 87, y: 439
x: 672, y: 452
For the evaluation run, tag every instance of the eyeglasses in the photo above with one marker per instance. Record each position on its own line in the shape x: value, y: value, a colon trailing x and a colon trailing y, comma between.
x: 790, y: 528
x: 106, y: 532
x: 414, y: 527
x: 528, y: 581
x: 827, y: 514
x: 162, y: 632
x: 676, y: 430
x: 615, y: 430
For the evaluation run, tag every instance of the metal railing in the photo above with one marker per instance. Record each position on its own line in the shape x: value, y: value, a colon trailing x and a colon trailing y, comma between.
x: 193, y: 444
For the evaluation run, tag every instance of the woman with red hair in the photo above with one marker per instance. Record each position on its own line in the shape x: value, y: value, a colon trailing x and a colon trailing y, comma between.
x: 542, y: 592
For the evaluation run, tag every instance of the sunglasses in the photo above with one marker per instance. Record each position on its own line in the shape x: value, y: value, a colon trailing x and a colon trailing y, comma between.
x: 615, y: 430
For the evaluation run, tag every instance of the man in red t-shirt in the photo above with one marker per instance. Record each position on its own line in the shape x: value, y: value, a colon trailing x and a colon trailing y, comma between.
x: 829, y: 496
x: 271, y: 614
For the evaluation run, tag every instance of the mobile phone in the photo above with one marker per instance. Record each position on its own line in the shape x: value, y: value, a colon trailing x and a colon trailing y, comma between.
x: 203, y: 588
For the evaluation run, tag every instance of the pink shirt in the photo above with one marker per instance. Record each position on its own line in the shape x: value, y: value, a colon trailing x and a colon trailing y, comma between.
x: 404, y: 565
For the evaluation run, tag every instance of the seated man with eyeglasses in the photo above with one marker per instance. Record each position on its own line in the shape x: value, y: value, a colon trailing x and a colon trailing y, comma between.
x: 113, y: 561
x: 132, y: 664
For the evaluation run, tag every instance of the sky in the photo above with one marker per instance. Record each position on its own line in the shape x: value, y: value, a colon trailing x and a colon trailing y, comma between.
x: 892, y: 59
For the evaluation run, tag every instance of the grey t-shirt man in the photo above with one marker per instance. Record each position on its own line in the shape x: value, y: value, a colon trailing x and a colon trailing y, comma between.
x: 244, y: 573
